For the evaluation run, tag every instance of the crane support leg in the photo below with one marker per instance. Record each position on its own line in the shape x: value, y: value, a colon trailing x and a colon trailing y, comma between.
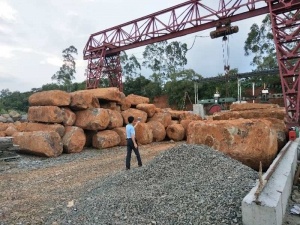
x: 285, y: 18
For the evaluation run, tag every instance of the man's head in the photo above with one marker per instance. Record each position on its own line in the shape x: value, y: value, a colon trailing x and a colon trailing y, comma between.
x: 130, y: 119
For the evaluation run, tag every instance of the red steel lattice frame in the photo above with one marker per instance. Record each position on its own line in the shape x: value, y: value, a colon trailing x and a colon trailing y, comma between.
x: 285, y: 18
x: 103, y: 48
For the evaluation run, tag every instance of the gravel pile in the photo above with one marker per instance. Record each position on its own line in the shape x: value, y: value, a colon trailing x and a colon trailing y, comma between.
x: 187, y: 184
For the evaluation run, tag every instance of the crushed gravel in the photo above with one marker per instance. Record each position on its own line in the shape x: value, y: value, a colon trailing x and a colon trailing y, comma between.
x: 188, y: 184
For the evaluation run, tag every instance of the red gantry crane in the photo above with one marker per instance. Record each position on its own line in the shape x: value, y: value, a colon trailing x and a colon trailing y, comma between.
x: 103, y: 48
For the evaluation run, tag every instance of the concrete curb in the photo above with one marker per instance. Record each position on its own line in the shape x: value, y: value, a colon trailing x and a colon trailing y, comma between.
x: 272, y: 201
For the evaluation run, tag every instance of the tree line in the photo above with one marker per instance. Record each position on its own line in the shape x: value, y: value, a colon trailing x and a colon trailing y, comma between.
x: 169, y: 76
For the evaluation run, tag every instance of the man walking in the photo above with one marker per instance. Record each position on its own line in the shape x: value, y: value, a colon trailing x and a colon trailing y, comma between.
x: 131, y: 143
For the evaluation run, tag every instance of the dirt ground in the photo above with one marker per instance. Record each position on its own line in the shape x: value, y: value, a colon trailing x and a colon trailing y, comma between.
x: 32, y: 194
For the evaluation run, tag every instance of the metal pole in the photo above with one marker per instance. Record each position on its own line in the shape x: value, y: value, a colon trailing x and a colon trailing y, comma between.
x: 253, y: 91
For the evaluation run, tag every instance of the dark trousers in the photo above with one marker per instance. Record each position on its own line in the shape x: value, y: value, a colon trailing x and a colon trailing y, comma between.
x: 130, y: 147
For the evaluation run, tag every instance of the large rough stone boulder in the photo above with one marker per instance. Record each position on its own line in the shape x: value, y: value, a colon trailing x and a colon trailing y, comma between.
x: 106, y: 139
x: 83, y: 100
x: 278, y: 113
x: 185, y: 124
x: 29, y: 127
x: 158, y: 130
x: 110, y: 105
x: 14, y: 115
x: 46, y: 114
x: 69, y: 117
x: 137, y: 99
x: 116, y: 119
x: 247, y: 140
x: 3, y: 126
x: 175, y: 132
x: 41, y: 143
x: 122, y: 133
x: 163, y: 117
x: 11, y: 129
x: 143, y: 133
x: 251, y: 106
x: 189, y: 116
x: 125, y: 104
x: 135, y: 113
x: 3, y: 119
x: 48, y: 98
x: 282, y: 131
x: 73, y: 140
x: 109, y: 94
x: 148, y: 108
x: 2, y: 134
x: 92, y: 119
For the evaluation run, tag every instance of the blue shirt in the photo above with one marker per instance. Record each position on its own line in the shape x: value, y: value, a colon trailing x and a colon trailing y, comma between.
x: 129, y: 130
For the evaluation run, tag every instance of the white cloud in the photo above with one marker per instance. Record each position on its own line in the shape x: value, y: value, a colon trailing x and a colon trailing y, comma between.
x: 9, y: 51
x: 53, y: 60
x: 7, y: 12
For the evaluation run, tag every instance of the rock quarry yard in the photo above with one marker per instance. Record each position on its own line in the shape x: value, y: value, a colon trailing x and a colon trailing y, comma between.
x: 71, y: 168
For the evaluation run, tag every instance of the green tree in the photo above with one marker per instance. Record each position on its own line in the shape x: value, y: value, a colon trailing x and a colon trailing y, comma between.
x: 165, y: 59
x: 260, y: 42
x: 65, y: 75
x: 130, y: 66
x: 136, y: 85
x: 180, y: 83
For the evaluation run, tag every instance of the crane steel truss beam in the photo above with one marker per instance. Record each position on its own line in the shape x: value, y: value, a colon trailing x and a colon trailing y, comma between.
x: 176, y: 21
x: 285, y: 18
x: 186, y: 18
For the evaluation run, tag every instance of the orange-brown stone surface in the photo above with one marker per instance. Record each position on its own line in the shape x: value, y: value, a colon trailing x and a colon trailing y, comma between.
x: 189, y: 116
x: 135, y: 113
x: 73, y: 140
x: 122, y: 133
x: 83, y: 100
x: 185, y: 124
x: 11, y: 129
x: 46, y: 114
x: 40, y: 143
x: 109, y: 94
x: 247, y: 140
x: 278, y: 113
x: 137, y: 99
x: 163, y: 117
x: 106, y: 139
x: 109, y: 105
x: 158, y: 130
x: 2, y: 134
x: 125, y: 104
x: 28, y: 127
x: 174, y: 122
x: 48, y: 98
x: 3, y: 126
x: 175, y: 132
x: 148, y: 108
x: 250, y: 106
x: 143, y: 133
x: 116, y: 119
x: 69, y: 117
x: 92, y: 119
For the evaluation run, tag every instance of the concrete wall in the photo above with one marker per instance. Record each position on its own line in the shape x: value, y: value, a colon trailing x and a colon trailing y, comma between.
x: 272, y: 201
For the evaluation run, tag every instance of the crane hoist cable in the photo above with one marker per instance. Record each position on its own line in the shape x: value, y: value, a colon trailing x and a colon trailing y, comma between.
x: 226, y: 53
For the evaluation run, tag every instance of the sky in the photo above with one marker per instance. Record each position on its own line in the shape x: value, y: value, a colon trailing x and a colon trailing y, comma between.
x: 33, y: 34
